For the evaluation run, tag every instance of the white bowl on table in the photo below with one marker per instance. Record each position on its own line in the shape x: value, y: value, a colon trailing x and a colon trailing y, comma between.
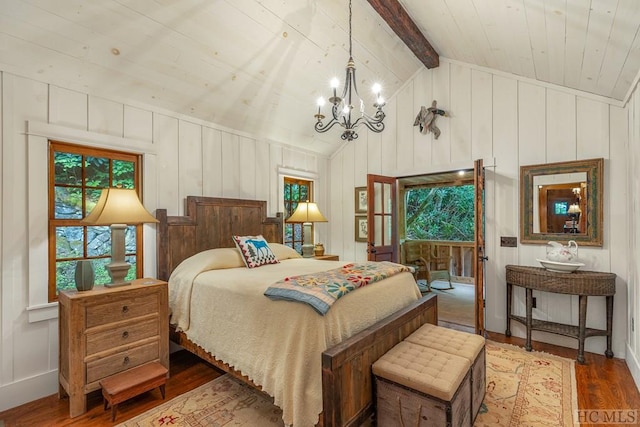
x: 560, y: 267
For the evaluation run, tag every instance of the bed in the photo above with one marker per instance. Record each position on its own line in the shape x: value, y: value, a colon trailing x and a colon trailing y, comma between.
x: 339, y: 362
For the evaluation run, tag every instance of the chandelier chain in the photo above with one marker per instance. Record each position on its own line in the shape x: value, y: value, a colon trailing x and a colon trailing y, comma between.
x: 350, y: 43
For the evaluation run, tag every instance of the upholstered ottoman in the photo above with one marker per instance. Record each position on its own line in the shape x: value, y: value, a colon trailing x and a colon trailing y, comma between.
x: 469, y: 346
x: 421, y: 386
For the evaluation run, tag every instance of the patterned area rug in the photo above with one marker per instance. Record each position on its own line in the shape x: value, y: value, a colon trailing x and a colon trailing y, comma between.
x: 523, y: 389
x: 527, y: 388
x: 221, y: 402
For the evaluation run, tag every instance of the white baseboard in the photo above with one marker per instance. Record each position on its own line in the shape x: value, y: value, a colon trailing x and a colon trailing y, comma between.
x: 634, y: 366
x: 28, y: 389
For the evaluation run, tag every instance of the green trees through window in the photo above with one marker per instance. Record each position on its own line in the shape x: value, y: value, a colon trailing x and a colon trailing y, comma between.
x: 440, y: 213
x: 77, y: 176
x: 295, y: 190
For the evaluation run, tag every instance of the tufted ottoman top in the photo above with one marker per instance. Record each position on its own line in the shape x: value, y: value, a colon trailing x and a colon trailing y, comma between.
x: 448, y: 340
x: 429, y: 371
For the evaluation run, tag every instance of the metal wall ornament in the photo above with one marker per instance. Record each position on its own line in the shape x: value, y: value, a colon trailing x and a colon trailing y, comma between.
x: 342, y: 107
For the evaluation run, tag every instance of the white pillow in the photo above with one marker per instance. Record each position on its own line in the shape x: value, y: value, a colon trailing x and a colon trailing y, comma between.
x: 283, y: 252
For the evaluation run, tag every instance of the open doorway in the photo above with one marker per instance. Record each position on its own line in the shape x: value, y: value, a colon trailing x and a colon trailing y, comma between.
x: 436, y: 225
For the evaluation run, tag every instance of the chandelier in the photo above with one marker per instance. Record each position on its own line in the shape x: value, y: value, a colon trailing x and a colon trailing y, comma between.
x: 342, y: 107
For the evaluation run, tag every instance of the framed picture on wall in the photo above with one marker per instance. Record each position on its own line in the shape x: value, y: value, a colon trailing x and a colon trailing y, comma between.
x: 361, y: 199
x: 361, y: 228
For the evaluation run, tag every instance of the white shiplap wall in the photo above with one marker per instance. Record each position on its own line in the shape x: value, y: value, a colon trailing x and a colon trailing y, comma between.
x: 631, y: 224
x: 182, y: 156
x: 509, y: 122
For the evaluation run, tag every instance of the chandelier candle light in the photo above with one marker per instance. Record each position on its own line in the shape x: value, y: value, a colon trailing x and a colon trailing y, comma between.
x: 342, y: 106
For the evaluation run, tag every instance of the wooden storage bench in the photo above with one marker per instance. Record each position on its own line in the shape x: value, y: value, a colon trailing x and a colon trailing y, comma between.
x: 463, y: 344
x: 130, y: 383
x: 421, y: 386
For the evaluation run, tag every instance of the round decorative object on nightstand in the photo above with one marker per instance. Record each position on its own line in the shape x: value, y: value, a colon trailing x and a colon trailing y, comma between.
x: 318, y: 249
x: 84, y: 275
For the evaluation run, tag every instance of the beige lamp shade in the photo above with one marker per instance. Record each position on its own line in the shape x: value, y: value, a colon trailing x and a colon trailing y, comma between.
x: 574, y: 209
x: 118, y: 206
x: 307, y: 212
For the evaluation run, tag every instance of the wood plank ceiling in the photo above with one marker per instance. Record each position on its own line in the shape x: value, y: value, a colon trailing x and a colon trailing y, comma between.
x: 259, y: 65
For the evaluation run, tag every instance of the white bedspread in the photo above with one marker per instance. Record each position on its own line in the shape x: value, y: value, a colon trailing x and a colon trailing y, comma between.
x: 277, y: 344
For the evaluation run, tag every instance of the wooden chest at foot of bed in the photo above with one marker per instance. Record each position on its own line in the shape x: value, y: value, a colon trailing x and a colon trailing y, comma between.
x: 419, y: 386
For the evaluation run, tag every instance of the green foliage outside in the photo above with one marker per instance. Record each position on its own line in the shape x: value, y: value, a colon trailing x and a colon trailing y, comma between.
x: 294, y: 193
x: 440, y: 213
x: 70, y: 189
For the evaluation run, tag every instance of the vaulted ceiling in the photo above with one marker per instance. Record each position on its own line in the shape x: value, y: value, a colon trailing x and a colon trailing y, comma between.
x: 259, y: 65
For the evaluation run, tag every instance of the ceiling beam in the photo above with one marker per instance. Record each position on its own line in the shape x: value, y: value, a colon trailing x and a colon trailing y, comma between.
x: 402, y: 24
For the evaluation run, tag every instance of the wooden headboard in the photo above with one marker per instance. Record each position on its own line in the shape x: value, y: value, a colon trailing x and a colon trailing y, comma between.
x: 209, y: 223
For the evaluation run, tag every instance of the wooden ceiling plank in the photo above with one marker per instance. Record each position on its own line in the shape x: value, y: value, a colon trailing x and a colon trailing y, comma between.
x: 517, y: 37
x: 598, y: 36
x: 498, y: 43
x: 536, y: 24
x: 402, y: 24
x: 625, y: 23
x: 575, y: 41
x: 556, y: 25
x: 470, y: 28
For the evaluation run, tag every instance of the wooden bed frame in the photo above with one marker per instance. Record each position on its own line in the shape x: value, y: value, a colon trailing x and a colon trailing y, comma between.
x: 347, y: 384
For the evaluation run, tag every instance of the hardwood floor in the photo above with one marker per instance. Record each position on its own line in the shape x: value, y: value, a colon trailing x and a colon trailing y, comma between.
x: 602, y: 384
x: 187, y: 372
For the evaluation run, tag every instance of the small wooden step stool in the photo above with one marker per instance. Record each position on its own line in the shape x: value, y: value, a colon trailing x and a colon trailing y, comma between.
x: 132, y: 382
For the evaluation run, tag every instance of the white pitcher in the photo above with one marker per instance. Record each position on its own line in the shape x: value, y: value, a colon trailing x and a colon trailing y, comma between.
x: 559, y: 253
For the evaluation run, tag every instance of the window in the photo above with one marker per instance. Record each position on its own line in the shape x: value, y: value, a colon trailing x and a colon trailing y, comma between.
x: 77, y: 176
x: 295, y: 190
x: 561, y: 208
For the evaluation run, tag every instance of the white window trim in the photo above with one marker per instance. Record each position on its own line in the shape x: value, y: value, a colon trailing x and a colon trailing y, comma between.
x: 38, y: 136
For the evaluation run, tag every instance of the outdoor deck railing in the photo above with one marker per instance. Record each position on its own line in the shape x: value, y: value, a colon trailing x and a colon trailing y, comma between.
x: 461, y: 253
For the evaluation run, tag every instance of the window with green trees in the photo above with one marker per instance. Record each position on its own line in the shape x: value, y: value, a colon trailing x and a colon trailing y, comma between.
x: 440, y: 213
x: 77, y: 176
x: 295, y: 190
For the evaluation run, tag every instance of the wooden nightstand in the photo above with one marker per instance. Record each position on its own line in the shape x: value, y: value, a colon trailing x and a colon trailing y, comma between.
x: 328, y: 257
x: 109, y: 330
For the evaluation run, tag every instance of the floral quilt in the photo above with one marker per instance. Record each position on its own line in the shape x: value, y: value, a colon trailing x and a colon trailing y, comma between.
x: 320, y: 290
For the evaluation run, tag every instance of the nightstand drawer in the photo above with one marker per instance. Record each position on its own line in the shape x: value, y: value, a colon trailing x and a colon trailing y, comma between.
x: 122, y: 309
x: 121, y: 335
x: 122, y: 361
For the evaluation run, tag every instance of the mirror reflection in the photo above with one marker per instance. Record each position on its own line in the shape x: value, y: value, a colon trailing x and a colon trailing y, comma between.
x: 561, y: 202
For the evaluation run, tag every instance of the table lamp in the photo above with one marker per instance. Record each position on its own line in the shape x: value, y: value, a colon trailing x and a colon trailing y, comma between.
x: 118, y: 207
x: 574, y: 213
x: 307, y: 213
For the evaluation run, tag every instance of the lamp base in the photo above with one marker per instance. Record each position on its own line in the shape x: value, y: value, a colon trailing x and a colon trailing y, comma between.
x: 117, y: 271
x: 307, y: 251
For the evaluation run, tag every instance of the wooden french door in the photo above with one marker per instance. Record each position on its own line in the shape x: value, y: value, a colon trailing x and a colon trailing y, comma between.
x: 382, y: 236
x: 479, y: 248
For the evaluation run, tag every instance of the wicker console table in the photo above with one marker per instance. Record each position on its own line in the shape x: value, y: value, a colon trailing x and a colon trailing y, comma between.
x: 581, y: 283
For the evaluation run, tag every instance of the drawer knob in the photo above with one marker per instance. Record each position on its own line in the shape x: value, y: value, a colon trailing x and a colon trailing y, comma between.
x: 125, y: 334
x: 125, y: 361
x: 125, y: 308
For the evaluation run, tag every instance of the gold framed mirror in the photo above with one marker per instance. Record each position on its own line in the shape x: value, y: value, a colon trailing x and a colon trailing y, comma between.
x: 562, y: 201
